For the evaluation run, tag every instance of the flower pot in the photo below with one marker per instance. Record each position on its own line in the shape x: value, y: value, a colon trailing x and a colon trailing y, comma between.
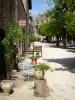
x: 34, y: 61
x: 38, y: 74
x: 6, y: 86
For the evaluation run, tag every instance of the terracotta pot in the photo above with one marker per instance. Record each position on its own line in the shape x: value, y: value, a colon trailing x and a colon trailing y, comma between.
x: 38, y: 75
x: 6, y: 86
x: 34, y: 61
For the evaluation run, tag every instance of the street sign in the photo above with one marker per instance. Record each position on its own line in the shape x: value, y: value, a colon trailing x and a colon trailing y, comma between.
x: 22, y: 23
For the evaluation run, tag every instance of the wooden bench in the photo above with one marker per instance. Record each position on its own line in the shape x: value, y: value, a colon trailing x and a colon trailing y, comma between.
x: 36, y: 49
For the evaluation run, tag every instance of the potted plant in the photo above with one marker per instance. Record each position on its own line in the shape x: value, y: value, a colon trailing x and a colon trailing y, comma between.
x: 41, y: 89
x: 6, y: 86
x: 40, y: 71
x: 34, y: 60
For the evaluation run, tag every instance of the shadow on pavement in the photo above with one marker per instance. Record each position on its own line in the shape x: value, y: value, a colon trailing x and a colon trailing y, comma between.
x: 54, y: 46
x: 60, y: 46
x: 71, y: 50
x: 67, y: 63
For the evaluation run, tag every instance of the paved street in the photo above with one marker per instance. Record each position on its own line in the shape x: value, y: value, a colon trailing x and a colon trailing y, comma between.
x: 61, y: 80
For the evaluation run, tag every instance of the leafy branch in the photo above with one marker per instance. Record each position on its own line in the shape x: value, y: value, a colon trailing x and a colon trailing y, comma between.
x: 13, y: 33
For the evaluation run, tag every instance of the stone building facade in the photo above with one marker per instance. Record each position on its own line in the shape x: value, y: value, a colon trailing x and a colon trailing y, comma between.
x: 11, y: 11
x: 7, y: 16
x: 38, y: 21
x: 7, y: 13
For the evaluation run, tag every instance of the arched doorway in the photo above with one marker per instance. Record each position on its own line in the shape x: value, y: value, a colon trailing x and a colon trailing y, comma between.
x: 2, y: 58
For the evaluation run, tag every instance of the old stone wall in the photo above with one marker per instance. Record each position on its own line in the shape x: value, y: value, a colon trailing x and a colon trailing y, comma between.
x: 7, y: 8
x: 6, y: 13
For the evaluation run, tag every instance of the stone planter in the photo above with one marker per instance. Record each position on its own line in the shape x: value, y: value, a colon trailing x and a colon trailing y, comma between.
x: 41, y: 88
x: 6, y: 86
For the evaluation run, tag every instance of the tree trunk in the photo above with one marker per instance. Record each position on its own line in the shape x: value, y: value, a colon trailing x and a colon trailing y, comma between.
x: 47, y: 38
x: 64, y: 40
x: 57, y: 42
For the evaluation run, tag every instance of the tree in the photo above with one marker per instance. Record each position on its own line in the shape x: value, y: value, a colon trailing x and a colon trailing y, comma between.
x: 70, y: 23
x: 44, y: 29
x: 56, y: 24
x: 55, y: 29
x: 61, y: 12
x: 48, y: 13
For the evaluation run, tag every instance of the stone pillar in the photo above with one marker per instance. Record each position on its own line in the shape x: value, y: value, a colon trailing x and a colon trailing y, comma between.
x: 41, y: 88
x: 16, y: 11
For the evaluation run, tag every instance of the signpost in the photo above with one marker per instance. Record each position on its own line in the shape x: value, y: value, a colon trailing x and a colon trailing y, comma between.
x: 22, y: 23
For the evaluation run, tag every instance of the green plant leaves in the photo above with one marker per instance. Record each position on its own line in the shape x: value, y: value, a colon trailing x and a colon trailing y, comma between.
x: 42, y: 67
x: 33, y: 38
x: 13, y: 33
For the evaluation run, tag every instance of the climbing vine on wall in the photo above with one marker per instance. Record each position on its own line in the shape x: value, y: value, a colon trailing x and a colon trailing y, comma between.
x: 13, y: 34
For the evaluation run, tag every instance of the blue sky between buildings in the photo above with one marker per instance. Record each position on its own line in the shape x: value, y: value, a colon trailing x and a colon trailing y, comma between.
x: 39, y: 6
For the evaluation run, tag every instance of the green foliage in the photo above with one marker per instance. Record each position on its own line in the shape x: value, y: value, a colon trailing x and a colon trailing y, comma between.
x: 54, y: 27
x: 50, y: 3
x: 61, y: 4
x: 48, y: 13
x: 57, y: 23
x: 42, y: 67
x: 8, y: 50
x: 26, y: 36
x: 70, y: 23
x: 44, y: 29
x: 63, y: 15
x: 33, y: 38
x: 13, y: 33
x: 33, y: 58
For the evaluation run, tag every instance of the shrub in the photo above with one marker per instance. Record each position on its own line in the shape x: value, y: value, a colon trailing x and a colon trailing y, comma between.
x: 33, y: 38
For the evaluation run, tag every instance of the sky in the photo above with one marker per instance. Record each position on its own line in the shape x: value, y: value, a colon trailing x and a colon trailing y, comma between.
x: 38, y: 6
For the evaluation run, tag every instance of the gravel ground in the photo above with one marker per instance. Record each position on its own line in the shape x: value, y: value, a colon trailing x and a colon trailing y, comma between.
x: 61, y: 80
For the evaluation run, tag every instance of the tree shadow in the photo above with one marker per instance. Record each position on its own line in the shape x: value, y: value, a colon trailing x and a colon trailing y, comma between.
x: 60, y: 69
x: 54, y: 46
x: 71, y: 50
x: 67, y: 63
x: 60, y: 46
